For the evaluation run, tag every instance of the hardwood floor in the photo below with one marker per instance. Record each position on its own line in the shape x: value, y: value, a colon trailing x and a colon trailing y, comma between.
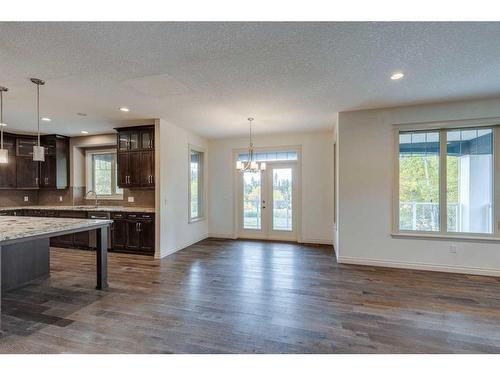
x: 223, y: 296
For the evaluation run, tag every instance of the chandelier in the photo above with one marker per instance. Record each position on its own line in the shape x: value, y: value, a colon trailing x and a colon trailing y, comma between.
x: 250, y: 165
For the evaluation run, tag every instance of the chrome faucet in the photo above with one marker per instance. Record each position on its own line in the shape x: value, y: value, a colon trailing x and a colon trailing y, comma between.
x: 95, y: 196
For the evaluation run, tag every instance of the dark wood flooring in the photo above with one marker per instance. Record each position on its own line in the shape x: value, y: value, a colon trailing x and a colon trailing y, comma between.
x: 222, y: 296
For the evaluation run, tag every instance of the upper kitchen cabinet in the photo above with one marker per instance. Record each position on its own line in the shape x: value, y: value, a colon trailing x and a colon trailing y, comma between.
x: 8, y: 171
x: 27, y: 176
x: 54, y: 171
x: 136, y: 138
x: 136, y: 157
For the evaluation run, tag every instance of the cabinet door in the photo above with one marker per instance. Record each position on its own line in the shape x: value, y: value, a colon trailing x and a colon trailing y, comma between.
x: 134, y: 140
x: 119, y: 234
x: 123, y: 140
x: 48, y: 172
x: 63, y: 241
x: 26, y: 173
x: 147, y: 230
x: 147, y: 139
x: 123, y: 161
x: 133, y: 235
x: 147, y: 168
x: 8, y: 171
x: 135, y: 169
x: 82, y: 239
x: 25, y: 146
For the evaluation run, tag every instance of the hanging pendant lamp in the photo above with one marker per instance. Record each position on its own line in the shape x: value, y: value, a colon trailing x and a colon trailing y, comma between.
x: 251, y: 164
x: 38, y: 150
x: 4, y: 154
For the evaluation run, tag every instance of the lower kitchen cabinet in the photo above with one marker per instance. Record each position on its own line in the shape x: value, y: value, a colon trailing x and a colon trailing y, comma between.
x: 133, y: 233
x: 130, y: 232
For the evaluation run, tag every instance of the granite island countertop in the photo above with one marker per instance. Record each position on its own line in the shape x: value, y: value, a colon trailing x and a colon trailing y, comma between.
x: 21, y: 227
x: 83, y: 208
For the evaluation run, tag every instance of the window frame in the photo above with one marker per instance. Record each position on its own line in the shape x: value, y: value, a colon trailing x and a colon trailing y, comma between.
x: 443, y: 232
x: 201, y: 186
x: 90, y: 173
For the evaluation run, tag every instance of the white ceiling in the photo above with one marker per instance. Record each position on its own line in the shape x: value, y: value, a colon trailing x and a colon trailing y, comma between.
x: 209, y: 77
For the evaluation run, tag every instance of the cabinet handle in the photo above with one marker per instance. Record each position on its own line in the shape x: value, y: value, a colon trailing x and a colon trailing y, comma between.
x: 36, y: 180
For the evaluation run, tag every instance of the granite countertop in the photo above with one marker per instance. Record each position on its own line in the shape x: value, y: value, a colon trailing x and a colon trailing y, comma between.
x: 20, y: 227
x: 83, y: 208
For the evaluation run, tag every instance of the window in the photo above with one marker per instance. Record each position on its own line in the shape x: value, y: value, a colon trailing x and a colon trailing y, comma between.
x: 196, y: 189
x: 270, y: 156
x: 102, y: 174
x: 446, y: 181
x: 469, y: 182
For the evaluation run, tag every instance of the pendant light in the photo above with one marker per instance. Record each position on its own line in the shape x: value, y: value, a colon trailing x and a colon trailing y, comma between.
x: 250, y: 164
x: 4, y: 154
x: 38, y: 151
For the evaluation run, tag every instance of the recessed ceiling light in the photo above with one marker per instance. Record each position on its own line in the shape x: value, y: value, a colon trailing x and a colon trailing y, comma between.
x: 397, y: 76
x: 84, y: 132
x: 46, y: 119
x: 124, y: 109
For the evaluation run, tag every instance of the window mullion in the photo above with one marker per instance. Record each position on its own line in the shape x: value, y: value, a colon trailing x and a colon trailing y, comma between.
x: 443, y: 210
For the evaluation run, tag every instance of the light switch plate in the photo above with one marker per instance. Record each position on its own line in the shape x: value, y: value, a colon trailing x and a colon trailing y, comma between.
x: 130, y: 199
x: 26, y: 198
x: 60, y: 198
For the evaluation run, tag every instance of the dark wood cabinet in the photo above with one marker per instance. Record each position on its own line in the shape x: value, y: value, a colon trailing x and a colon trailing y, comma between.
x: 21, y: 172
x: 54, y: 171
x: 8, y: 171
x: 26, y: 173
x: 147, y: 229
x: 133, y: 233
x: 78, y: 240
x: 119, y: 231
x: 136, y: 157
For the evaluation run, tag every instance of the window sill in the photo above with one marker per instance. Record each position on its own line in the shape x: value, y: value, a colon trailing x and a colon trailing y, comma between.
x: 446, y: 237
x: 195, y: 220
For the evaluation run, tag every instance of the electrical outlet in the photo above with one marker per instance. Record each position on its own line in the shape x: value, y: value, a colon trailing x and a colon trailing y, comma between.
x: 60, y: 198
x: 453, y: 248
x: 130, y: 199
x: 26, y: 198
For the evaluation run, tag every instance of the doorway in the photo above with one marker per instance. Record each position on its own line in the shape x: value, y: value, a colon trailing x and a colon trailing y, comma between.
x: 268, y: 202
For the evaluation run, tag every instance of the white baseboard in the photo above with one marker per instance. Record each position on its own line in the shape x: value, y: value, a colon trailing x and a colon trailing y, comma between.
x: 316, y: 241
x: 420, y: 266
x: 166, y: 253
x: 224, y: 236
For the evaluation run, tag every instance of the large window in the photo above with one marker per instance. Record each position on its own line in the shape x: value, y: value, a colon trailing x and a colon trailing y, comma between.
x: 102, y: 174
x: 446, y: 181
x: 196, y: 189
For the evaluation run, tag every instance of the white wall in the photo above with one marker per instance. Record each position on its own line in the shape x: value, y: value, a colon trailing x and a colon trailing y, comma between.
x: 77, y: 154
x: 176, y: 233
x: 365, y: 186
x: 317, y: 183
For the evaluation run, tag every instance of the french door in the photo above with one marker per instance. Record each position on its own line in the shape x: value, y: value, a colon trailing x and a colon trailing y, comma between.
x: 268, y: 203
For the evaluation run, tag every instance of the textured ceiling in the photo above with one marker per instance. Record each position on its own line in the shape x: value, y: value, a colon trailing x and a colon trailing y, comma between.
x: 209, y: 77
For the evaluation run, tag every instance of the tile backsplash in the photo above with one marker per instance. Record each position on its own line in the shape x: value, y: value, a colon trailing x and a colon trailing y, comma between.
x: 73, y: 196
x: 16, y: 197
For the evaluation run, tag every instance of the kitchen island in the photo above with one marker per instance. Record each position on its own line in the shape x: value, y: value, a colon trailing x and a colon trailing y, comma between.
x: 24, y: 248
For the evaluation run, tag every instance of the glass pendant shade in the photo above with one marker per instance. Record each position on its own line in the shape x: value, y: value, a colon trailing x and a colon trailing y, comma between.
x: 38, y: 153
x: 239, y: 165
x: 262, y: 166
x: 4, y: 156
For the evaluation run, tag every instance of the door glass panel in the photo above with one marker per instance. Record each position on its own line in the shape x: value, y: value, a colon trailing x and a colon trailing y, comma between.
x: 252, y: 214
x: 282, y: 199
